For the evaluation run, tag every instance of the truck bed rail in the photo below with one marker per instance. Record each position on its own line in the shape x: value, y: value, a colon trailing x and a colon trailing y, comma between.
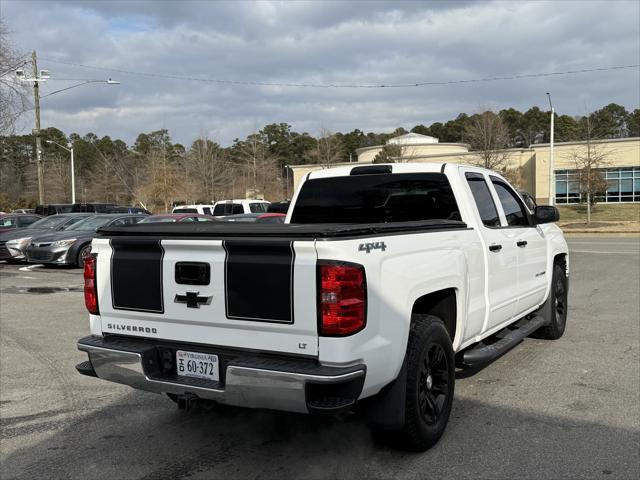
x: 281, y: 231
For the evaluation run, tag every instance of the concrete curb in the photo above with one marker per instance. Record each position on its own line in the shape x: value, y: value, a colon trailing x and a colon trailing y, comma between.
x: 579, y: 233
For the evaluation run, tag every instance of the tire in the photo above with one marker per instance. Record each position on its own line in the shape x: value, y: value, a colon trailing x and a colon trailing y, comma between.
x: 82, y: 254
x: 556, y: 306
x: 429, y: 386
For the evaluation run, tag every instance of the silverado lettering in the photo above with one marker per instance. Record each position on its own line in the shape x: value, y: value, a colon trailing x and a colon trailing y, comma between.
x: 131, y: 328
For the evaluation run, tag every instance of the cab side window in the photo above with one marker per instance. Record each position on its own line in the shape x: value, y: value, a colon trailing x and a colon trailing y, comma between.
x: 24, y: 221
x: 119, y: 222
x: 218, y: 209
x: 9, y: 222
x: 513, y: 208
x: 237, y: 209
x: 484, y: 200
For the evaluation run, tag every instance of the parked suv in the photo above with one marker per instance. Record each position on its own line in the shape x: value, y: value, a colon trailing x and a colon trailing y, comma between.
x: 201, y: 209
x: 235, y: 207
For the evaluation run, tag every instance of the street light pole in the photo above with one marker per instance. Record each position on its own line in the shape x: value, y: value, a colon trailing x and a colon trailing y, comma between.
x: 73, y: 179
x: 36, y: 132
x: 552, y: 183
x: 73, y: 171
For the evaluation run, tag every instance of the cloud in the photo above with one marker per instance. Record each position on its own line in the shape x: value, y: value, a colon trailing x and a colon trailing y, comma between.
x: 320, y: 42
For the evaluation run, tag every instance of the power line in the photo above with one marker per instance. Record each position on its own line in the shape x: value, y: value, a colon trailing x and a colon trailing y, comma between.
x: 347, y: 85
x: 11, y: 70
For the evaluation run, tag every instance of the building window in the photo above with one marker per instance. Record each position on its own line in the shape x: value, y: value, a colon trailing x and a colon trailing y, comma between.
x: 567, y: 186
x: 623, y: 185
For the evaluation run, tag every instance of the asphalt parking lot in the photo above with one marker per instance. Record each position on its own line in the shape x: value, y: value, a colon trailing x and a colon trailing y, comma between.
x: 563, y: 409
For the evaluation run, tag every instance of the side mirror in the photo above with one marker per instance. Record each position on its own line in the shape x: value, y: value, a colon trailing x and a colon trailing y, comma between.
x: 546, y: 214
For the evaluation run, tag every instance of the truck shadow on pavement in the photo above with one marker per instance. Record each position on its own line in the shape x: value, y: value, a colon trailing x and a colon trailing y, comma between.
x: 144, y: 436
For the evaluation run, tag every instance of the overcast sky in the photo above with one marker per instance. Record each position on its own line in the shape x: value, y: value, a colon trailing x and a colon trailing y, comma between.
x: 320, y: 42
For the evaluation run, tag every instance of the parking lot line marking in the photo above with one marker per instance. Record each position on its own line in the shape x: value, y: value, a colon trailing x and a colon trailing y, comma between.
x: 30, y: 267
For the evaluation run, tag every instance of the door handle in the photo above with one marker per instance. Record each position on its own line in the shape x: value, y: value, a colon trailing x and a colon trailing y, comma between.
x: 522, y: 243
x: 495, y: 248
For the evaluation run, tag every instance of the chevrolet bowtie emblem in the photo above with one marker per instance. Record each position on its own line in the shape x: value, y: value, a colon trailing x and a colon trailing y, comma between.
x: 192, y: 299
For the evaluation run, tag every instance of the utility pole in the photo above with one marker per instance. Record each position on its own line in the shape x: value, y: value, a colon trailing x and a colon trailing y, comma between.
x: 43, y: 76
x: 36, y: 132
x: 552, y: 180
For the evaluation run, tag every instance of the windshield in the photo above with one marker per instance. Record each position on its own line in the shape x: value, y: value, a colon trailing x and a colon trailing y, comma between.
x: 91, y: 223
x: 158, y: 220
x: 49, y: 222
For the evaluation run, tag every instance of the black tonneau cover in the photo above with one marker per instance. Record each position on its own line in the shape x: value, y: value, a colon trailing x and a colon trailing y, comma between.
x: 283, y: 231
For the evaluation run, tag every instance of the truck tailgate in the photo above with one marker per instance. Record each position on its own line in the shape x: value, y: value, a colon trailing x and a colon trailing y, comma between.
x: 159, y: 288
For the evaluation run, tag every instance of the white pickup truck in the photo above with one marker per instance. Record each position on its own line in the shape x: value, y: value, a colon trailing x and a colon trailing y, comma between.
x: 383, y: 280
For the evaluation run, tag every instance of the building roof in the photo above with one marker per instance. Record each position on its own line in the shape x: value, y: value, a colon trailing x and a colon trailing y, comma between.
x: 412, y: 139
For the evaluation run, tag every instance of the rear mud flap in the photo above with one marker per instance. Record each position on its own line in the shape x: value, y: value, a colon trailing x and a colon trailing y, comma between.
x: 386, y: 411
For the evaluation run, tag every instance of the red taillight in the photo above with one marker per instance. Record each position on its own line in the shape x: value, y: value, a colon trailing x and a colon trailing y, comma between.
x: 90, y: 290
x: 342, y: 298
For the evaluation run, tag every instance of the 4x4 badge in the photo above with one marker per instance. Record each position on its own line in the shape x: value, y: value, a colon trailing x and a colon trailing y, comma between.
x: 192, y: 299
x: 367, y: 247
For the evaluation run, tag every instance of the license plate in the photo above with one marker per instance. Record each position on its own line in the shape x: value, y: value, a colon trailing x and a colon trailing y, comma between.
x: 197, y: 365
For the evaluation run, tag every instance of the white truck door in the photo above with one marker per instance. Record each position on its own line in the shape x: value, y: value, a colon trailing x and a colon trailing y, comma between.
x: 500, y: 252
x: 530, y: 244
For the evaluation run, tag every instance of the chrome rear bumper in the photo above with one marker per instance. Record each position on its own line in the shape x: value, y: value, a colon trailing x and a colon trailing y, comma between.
x: 244, y: 385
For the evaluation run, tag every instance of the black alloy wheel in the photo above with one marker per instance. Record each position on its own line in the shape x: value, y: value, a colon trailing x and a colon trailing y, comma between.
x: 433, y: 384
x: 556, y: 307
x: 560, y: 297
x: 430, y: 382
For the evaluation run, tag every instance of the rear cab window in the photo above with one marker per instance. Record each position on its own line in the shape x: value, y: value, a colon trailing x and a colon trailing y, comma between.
x: 378, y: 198
x: 258, y: 207
x: 229, y: 208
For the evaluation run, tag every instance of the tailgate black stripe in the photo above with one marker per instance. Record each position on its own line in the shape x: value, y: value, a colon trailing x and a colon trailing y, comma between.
x: 259, y: 280
x: 136, y: 275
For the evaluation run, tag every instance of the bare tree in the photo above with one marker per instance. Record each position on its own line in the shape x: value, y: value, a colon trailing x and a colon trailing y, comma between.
x: 115, y: 176
x: 207, y: 169
x: 14, y: 98
x: 589, y: 159
x: 57, y: 178
x: 260, y: 167
x: 164, y: 182
x: 329, y: 149
x: 489, y: 137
